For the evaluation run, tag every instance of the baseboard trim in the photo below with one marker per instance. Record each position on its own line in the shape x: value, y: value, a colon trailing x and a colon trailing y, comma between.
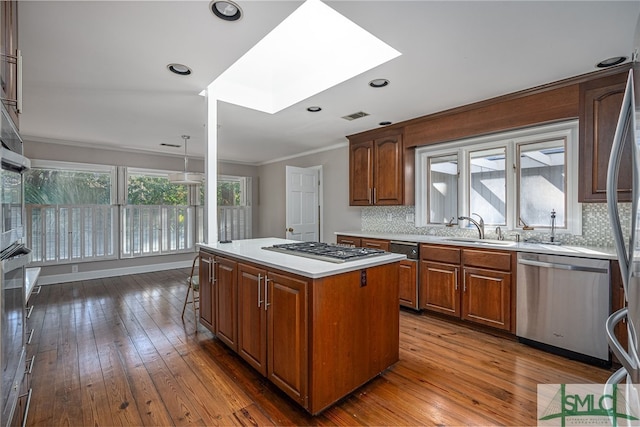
x: 111, y: 272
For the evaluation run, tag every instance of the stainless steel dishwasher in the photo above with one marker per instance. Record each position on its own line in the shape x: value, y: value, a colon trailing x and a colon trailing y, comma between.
x: 563, y: 304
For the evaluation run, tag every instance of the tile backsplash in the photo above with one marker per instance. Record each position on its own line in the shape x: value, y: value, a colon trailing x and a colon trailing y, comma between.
x: 596, y: 229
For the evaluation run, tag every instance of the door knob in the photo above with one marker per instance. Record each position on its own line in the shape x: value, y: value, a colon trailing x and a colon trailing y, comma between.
x: 290, y: 230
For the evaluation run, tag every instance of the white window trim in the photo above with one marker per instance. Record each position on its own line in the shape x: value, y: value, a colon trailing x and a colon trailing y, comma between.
x: 510, y: 139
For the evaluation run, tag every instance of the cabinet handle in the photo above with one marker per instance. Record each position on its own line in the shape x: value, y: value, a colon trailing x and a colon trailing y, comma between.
x: 26, y: 407
x: 30, y: 336
x: 38, y: 291
x: 259, y: 300
x: 374, y: 195
x: 19, y: 82
x: 29, y: 311
x: 30, y: 368
x: 266, y: 293
x: 464, y: 280
x: 369, y: 199
x: 455, y: 278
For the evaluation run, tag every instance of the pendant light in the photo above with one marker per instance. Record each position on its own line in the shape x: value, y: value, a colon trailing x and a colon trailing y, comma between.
x: 189, y: 178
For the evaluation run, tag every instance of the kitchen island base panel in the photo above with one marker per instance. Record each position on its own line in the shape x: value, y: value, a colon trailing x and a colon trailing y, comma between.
x: 354, y: 331
x: 325, y: 336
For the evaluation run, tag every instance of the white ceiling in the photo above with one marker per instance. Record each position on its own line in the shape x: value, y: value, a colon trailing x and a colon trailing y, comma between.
x: 95, y: 71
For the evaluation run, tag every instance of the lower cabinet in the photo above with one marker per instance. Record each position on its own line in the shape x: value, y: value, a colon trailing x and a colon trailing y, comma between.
x: 207, y: 301
x: 408, y: 283
x: 272, y: 329
x: 470, y: 284
x: 315, y: 339
x: 225, y: 301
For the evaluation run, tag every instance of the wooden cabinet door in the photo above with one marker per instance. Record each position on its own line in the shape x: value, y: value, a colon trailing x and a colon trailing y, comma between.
x: 252, y: 317
x: 8, y: 67
x: 361, y: 173
x: 408, y: 284
x: 348, y: 240
x: 226, y: 288
x: 486, y: 297
x: 287, y: 336
x: 440, y: 291
x: 206, y: 291
x: 600, y: 102
x: 375, y: 244
x: 388, y: 172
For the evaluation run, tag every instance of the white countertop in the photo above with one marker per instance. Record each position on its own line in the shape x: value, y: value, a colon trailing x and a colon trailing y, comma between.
x: 540, y: 248
x: 251, y: 250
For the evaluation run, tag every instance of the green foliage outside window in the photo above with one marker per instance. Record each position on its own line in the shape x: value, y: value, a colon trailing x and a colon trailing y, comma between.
x: 154, y: 190
x: 60, y: 187
x: 228, y: 193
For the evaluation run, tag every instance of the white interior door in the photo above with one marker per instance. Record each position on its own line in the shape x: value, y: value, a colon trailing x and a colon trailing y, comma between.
x: 303, y: 203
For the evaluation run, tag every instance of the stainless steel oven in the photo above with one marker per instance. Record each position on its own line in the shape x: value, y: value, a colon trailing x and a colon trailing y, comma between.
x: 14, y: 256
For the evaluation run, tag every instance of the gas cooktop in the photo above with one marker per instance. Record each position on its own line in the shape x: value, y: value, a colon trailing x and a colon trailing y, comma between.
x: 325, y: 251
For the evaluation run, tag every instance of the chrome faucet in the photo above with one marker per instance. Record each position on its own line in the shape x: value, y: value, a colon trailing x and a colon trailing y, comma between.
x: 479, y: 224
x: 553, y: 225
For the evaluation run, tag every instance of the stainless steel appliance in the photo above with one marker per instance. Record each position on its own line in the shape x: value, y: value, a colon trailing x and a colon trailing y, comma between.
x: 14, y: 256
x: 325, y: 251
x: 562, y: 305
x: 627, y: 247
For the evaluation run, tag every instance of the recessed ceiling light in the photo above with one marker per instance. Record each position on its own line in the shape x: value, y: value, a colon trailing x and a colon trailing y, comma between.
x: 384, y: 123
x: 181, y: 70
x: 610, y: 62
x: 379, y: 83
x: 226, y: 10
x: 314, y: 109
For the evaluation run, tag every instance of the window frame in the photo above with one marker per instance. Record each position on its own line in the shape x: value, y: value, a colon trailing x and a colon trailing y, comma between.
x: 511, y: 140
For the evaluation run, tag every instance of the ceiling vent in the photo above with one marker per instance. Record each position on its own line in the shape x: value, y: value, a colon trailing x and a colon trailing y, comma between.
x: 354, y: 116
x: 164, y: 144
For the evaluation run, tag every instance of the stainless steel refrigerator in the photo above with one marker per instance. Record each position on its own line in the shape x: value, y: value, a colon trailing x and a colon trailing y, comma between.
x: 627, y: 244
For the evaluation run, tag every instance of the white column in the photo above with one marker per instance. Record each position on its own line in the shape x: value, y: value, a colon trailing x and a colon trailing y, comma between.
x: 211, y: 169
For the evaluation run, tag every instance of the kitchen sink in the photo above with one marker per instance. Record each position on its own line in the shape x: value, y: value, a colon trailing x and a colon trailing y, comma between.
x: 484, y: 242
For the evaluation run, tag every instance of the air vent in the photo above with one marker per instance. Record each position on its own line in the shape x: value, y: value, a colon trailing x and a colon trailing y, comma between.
x: 354, y: 116
x: 170, y: 145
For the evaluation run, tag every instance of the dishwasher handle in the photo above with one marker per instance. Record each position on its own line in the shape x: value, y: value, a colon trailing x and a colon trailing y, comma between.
x: 562, y: 266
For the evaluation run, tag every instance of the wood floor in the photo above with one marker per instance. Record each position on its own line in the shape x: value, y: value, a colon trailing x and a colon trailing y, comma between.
x: 116, y: 352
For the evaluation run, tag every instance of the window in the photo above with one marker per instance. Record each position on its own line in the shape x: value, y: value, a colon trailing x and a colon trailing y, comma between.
x: 234, y: 207
x: 157, y: 218
x: 70, y: 215
x: 488, y: 185
x: 443, y: 188
x: 510, y: 179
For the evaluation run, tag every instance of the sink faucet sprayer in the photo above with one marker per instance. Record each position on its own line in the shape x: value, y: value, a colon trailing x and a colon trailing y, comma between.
x: 479, y: 224
x: 553, y: 225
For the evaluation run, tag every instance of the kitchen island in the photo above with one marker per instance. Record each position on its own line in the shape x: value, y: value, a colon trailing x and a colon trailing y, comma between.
x: 316, y: 329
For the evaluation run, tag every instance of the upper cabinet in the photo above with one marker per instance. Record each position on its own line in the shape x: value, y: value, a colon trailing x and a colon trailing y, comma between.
x: 9, y: 66
x: 377, y: 170
x: 600, y: 102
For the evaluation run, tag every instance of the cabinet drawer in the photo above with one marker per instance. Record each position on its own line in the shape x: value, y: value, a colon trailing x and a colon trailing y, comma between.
x: 487, y: 259
x: 440, y: 254
x: 376, y: 244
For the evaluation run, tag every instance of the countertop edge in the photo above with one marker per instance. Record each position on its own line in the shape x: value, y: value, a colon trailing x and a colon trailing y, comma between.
x: 246, y: 250
x: 563, y: 250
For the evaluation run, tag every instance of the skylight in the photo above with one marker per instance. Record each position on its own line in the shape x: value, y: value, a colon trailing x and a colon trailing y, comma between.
x: 313, y: 49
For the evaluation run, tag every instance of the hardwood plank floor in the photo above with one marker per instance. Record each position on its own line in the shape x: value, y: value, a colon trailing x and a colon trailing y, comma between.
x: 116, y: 352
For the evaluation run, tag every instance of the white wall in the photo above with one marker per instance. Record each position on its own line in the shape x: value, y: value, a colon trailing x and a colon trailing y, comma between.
x: 338, y: 215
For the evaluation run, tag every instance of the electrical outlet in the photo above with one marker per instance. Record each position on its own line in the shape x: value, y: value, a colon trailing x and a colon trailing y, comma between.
x: 389, y: 217
x: 74, y: 268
